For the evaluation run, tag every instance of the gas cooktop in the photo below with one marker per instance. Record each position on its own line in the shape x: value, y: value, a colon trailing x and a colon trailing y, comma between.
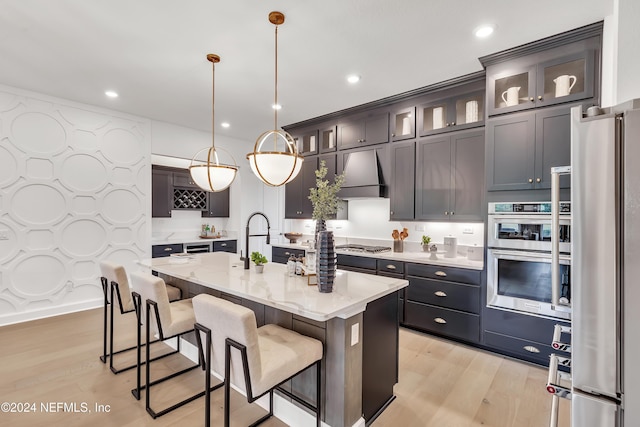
x: 363, y: 248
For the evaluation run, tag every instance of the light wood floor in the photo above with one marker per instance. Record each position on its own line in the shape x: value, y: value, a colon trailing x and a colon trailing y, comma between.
x: 441, y: 384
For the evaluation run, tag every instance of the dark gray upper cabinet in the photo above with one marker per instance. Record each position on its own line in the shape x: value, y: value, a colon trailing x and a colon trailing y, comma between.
x: 522, y: 148
x: 401, y: 194
x: 328, y: 139
x: 458, y: 110
x: 217, y: 205
x: 297, y: 203
x: 449, y: 176
x: 559, y: 69
x: 161, y: 193
x: 403, y: 124
x: 368, y: 129
x: 173, y: 188
x: 182, y: 179
x: 306, y: 141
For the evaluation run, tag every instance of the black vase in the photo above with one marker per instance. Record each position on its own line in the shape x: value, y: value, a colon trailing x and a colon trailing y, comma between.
x: 326, y: 262
x: 321, y: 225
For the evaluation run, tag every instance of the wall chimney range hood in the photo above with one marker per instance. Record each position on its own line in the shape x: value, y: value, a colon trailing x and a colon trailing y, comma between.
x: 362, y: 176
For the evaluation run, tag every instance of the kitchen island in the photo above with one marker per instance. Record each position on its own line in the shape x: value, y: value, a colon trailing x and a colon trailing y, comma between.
x: 358, y: 301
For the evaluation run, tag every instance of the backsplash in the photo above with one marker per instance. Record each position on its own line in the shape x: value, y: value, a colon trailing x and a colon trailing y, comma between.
x: 185, y: 225
x: 369, y: 223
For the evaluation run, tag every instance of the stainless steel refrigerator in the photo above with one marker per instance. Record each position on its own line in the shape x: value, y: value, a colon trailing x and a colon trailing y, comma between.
x: 605, y: 267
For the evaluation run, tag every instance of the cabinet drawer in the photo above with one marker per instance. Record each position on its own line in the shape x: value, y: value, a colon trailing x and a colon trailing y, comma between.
x: 286, y: 252
x: 523, y: 349
x: 445, y: 294
x: 527, y: 327
x: 443, y: 321
x: 225, y: 246
x: 159, y: 251
x: 356, y: 261
x: 462, y: 275
x: 390, y: 266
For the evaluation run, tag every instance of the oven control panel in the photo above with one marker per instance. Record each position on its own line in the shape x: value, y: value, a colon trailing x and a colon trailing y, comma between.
x: 527, y: 208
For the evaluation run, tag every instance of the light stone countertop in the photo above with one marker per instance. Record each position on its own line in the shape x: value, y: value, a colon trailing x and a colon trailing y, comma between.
x: 407, y: 256
x: 275, y: 288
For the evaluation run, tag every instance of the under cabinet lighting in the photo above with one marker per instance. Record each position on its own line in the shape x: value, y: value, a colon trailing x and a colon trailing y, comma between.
x: 111, y: 94
x: 276, y: 106
x: 353, y: 78
x: 225, y: 124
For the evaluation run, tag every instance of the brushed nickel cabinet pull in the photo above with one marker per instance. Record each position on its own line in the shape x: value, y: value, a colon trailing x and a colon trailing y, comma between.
x: 440, y: 273
x: 440, y: 320
x: 168, y: 249
x: 391, y: 267
x: 287, y: 253
x: 224, y: 244
x: 440, y: 294
x: 531, y: 349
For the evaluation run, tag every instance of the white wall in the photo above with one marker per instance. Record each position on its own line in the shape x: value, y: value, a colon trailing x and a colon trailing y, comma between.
x: 74, y: 189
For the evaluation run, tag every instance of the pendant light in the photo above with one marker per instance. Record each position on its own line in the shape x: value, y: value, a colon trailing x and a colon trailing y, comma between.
x: 211, y: 174
x: 275, y: 158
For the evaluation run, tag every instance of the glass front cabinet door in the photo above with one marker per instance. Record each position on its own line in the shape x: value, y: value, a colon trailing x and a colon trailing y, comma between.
x: 566, y: 79
x: 328, y: 141
x: 563, y: 79
x: 457, y: 112
x: 403, y: 124
x: 306, y: 141
x: 512, y: 90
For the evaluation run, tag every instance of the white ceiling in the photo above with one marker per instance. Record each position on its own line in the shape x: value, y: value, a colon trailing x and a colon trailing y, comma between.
x: 153, y: 52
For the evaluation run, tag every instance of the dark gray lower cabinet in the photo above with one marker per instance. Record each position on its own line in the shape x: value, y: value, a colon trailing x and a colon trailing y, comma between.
x: 281, y: 255
x: 159, y: 251
x: 226, y: 246
x: 518, y: 335
x: 444, y: 301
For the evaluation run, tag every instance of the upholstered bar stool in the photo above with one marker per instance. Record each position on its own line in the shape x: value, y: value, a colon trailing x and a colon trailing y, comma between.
x: 256, y: 360
x: 166, y: 320
x: 115, y: 287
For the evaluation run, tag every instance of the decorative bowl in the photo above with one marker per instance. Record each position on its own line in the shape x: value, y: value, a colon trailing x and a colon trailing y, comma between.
x: 293, y: 237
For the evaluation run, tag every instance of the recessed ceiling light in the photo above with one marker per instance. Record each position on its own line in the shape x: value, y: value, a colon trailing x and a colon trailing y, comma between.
x: 484, y: 31
x: 276, y: 106
x: 111, y: 94
x: 225, y: 124
x: 354, y: 78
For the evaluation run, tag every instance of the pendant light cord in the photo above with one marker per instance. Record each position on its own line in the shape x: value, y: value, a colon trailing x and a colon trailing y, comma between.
x: 275, y: 105
x: 213, y: 105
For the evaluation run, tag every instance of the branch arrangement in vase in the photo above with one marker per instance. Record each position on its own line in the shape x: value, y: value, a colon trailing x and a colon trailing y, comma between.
x: 324, y: 197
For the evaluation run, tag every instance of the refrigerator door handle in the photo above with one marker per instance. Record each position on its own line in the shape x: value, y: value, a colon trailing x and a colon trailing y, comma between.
x: 555, y: 231
x: 557, y: 342
x: 556, y: 381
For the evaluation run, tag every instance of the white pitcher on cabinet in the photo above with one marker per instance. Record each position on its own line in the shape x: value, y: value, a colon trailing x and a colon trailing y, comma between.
x: 511, y: 97
x: 564, y: 84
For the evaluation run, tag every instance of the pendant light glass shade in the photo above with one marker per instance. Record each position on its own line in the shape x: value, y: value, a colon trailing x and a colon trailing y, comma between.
x: 277, y: 167
x: 275, y: 158
x: 209, y: 173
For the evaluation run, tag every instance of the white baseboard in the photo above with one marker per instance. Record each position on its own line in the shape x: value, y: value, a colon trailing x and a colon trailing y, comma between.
x: 26, y: 316
x: 284, y: 410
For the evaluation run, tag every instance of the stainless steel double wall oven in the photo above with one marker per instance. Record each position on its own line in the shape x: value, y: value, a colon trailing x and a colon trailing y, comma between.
x: 519, y: 258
